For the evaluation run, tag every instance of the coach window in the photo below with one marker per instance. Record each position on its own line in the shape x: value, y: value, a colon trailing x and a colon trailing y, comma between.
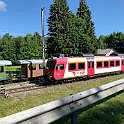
x: 81, y: 65
x: 40, y: 66
x: 99, y: 64
x: 72, y: 66
x: 111, y: 63
x: 1, y: 69
x: 33, y: 67
x: 117, y: 63
x: 105, y: 63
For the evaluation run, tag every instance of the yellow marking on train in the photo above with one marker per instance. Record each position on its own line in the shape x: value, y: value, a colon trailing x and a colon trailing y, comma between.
x: 76, y: 61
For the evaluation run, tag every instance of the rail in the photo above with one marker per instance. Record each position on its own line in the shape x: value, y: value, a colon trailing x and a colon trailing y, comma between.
x: 55, y: 110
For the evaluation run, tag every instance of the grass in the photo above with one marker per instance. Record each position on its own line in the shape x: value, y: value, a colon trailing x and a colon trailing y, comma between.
x: 108, y: 112
x: 96, y: 114
x: 12, y: 68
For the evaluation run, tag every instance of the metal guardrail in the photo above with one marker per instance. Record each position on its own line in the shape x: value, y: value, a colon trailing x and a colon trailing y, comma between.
x: 55, y: 110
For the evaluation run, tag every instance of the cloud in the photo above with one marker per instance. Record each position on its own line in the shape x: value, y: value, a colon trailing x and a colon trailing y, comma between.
x: 2, y: 6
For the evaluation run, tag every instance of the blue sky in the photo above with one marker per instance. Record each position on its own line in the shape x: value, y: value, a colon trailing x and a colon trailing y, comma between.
x: 19, y: 17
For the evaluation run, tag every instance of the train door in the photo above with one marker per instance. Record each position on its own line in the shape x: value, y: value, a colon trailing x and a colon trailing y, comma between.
x: 90, y: 67
x: 122, y: 64
x: 59, y: 71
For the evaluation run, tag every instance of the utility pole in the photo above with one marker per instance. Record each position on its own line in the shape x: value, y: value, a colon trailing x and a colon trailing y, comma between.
x: 42, y: 22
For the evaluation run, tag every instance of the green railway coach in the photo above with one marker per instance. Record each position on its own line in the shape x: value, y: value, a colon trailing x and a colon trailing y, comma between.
x: 4, y: 76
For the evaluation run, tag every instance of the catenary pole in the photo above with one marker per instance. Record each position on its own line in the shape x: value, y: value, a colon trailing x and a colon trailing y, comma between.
x: 43, y: 44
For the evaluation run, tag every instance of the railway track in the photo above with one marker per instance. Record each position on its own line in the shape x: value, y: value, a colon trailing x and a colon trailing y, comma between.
x: 27, y: 88
x: 24, y: 89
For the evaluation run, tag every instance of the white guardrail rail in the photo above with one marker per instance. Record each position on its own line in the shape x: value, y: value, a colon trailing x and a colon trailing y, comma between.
x: 55, y: 110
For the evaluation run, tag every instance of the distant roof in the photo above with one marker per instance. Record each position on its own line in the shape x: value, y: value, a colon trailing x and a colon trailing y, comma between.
x: 5, y: 62
x: 30, y: 61
x: 120, y: 54
x: 86, y: 55
x: 82, y: 55
x: 103, y: 51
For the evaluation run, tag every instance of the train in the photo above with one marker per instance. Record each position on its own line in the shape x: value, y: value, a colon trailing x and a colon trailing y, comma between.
x: 4, y: 76
x: 62, y: 69
x: 69, y: 68
x: 28, y: 70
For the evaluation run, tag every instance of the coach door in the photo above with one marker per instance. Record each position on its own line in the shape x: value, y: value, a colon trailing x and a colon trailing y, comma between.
x: 90, y: 65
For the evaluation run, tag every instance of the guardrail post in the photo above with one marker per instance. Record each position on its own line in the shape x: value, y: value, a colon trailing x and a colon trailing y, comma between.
x: 74, y: 118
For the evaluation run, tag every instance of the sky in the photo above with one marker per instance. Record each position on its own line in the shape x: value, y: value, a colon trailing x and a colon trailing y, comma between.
x: 21, y: 17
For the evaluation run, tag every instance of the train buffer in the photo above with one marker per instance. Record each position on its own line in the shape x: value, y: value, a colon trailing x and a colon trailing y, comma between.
x: 3, y: 92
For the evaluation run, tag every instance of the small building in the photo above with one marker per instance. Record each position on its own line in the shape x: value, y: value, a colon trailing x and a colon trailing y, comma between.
x: 106, y: 52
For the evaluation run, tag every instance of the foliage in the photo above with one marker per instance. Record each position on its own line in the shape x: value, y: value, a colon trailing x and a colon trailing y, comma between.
x: 70, y: 33
x: 58, y: 26
x: 84, y: 13
x: 114, y: 40
x: 28, y: 47
x: 7, y: 47
x: 101, y: 41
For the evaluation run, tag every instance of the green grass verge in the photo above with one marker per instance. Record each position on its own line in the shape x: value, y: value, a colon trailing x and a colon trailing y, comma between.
x: 107, y: 112
x: 13, y: 105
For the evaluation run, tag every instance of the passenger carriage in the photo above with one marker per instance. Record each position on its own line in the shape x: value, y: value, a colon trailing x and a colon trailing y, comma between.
x: 4, y: 76
x: 31, y: 68
x: 76, y: 67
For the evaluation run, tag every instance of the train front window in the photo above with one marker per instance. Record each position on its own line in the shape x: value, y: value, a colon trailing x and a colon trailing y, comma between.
x: 50, y: 65
x: 60, y: 67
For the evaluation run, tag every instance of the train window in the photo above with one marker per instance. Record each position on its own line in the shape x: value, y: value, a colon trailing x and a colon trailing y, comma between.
x: 122, y: 62
x: 32, y: 67
x: 111, y: 63
x: 105, y: 63
x: 88, y: 64
x: 1, y: 69
x: 117, y: 63
x: 40, y: 66
x: 99, y: 64
x: 60, y: 67
x: 81, y: 65
x: 92, y: 64
x: 50, y: 65
x: 72, y: 66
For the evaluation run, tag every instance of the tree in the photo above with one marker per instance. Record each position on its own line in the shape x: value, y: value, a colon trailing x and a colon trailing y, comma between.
x: 58, y: 25
x: 8, y: 48
x: 84, y: 13
x: 36, y: 46
x: 101, y: 41
x: 116, y: 41
x: 20, y: 46
x: 1, y: 50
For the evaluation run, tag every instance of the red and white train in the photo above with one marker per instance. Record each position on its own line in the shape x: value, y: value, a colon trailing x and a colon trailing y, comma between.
x: 78, y: 67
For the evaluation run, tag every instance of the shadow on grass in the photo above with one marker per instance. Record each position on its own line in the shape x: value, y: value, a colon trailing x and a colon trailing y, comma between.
x: 107, y: 111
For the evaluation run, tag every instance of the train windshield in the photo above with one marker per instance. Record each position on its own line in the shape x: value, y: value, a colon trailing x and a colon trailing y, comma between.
x: 50, y: 65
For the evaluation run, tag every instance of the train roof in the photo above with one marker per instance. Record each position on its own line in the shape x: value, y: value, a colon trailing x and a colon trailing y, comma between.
x: 30, y: 61
x: 85, y: 57
x: 5, y: 62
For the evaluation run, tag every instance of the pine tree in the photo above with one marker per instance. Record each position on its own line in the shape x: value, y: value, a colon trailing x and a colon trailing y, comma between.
x: 58, y: 25
x: 84, y: 13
